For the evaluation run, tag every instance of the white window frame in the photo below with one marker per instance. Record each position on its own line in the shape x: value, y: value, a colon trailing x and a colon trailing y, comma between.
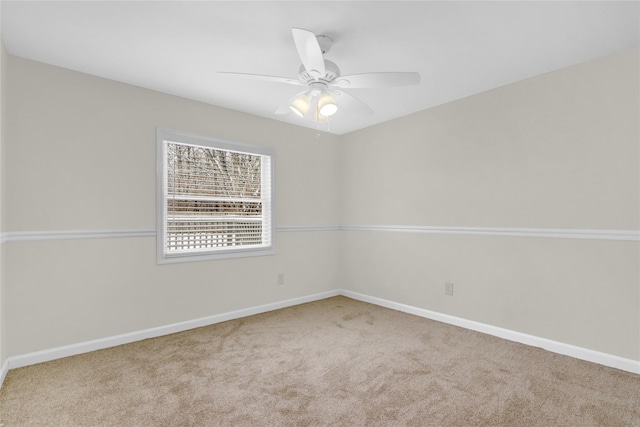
x: 163, y: 257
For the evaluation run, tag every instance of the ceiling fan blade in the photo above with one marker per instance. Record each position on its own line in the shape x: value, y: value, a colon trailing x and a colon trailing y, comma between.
x: 349, y: 102
x: 309, y: 51
x: 366, y: 80
x: 273, y: 79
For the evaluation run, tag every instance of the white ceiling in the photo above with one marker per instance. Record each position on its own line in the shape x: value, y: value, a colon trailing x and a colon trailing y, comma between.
x: 177, y: 47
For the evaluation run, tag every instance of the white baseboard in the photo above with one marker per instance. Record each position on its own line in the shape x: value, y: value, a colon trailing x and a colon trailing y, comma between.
x: 3, y: 371
x: 605, y: 359
x: 581, y: 353
x: 99, y: 344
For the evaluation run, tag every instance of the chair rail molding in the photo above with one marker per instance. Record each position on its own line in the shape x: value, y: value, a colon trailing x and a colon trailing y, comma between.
x: 562, y: 233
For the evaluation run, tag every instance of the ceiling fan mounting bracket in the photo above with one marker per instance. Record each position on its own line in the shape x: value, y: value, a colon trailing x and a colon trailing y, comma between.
x: 325, y: 43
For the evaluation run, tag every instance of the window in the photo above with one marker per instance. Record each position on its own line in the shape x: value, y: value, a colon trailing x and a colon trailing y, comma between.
x: 214, y: 198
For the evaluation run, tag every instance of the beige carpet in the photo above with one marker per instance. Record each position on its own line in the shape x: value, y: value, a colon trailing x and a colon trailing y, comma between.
x: 334, y: 362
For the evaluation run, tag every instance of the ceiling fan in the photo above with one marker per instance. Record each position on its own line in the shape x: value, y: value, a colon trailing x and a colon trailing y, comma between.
x: 323, y: 95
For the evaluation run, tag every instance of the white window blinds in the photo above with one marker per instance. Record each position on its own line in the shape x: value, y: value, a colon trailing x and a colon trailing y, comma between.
x: 215, y: 200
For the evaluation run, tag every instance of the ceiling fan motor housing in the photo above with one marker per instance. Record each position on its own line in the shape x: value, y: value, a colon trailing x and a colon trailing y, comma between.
x: 332, y: 72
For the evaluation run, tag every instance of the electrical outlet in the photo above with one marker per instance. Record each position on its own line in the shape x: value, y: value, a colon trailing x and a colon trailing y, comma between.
x: 448, y: 288
x: 280, y: 278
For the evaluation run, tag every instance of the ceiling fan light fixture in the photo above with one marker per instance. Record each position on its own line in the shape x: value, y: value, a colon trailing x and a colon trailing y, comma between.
x: 327, y: 105
x: 320, y: 118
x: 300, y: 105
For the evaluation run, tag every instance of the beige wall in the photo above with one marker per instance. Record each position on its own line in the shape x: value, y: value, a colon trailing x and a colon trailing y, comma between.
x: 82, y: 157
x: 82, y: 149
x: 558, y: 151
x: 555, y: 151
x: 3, y: 335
